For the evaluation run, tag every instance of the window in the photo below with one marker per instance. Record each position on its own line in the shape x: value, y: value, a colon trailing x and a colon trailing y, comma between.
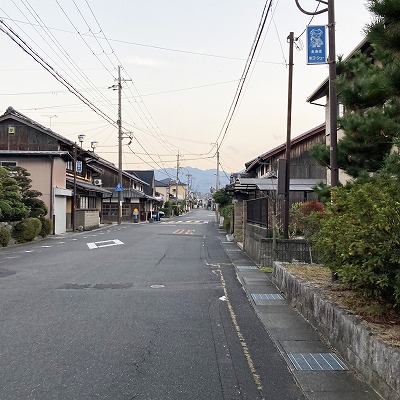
x: 8, y: 163
x: 70, y: 166
x: 87, y: 202
x: 126, y: 211
x: 110, y: 209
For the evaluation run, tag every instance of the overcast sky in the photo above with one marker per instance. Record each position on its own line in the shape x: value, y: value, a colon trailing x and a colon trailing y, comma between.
x: 182, y: 61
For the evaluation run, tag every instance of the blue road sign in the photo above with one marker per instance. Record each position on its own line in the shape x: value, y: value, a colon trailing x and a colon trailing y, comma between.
x: 79, y: 166
x: 118, y: 188
x: 316, y: 44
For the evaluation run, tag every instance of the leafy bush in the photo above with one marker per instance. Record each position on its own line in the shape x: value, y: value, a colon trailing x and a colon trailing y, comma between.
x: 5, y: 236
x: 47, y: 226
x: 167, y: 208
x: 222, y: 198
x: 226, y: 212
x: 27, y: 230
x: 359, y: 238
x: 305, y: 218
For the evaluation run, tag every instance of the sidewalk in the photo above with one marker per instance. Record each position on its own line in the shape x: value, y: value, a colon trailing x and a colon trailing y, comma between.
x: 320, y: 373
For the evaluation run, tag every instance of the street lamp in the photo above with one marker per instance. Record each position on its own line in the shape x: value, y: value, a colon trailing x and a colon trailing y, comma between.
x: 81, y: 138
x: 93, y: 145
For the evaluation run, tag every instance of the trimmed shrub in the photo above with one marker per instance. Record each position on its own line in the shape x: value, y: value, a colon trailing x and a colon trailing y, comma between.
x: 27, y: 230
x: 359, y: 238
x: 5, y: 236
x: 47, y: 226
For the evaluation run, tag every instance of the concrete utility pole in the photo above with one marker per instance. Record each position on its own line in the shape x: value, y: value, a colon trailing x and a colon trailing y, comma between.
x: 332, y: 87
x: 119, y: 122
x: 217, y: 178
x: 288, y: 137
x: 177, y: 178
x: 73, y: 211
x: 120, y: 137
x: 189, y: 177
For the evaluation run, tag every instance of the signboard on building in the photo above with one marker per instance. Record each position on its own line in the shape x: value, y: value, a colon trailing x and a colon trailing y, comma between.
x: 79, y: 166
x: 316, y: 44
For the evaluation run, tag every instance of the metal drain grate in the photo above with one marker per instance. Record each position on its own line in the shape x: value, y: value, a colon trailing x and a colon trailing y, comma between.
x: 317, y: 362
x: 246, y: 267
x: 265, y: 296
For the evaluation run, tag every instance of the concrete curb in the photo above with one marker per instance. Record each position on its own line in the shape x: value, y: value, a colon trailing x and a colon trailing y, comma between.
x: 376, y: 361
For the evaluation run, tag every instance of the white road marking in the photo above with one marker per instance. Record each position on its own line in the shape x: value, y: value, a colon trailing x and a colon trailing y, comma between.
x: 97, y: 245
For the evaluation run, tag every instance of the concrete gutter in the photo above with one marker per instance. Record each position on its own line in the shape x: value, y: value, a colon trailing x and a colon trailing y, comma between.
x: 376, y: 361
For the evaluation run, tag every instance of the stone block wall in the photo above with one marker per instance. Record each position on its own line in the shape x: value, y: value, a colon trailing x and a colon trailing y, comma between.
x: 376, y: 361
x: 88, y: 219
x: 238, y: 218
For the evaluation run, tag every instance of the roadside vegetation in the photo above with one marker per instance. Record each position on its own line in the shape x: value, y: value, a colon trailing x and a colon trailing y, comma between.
x: 225, y: 207
x: 22, y: 213
x: 355, y: 228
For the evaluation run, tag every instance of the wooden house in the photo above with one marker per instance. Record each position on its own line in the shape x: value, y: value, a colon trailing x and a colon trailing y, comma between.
x: 76, y: 183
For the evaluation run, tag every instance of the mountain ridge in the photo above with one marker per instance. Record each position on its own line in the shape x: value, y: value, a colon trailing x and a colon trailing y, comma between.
x: 201, y: 180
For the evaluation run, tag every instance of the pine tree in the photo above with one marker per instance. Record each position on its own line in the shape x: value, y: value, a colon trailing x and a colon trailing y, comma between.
x: 11, y: 206
x: 369, y: 89
x: 36, y: 207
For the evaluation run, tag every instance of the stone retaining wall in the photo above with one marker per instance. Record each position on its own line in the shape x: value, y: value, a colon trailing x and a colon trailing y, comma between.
x: 377, y: 362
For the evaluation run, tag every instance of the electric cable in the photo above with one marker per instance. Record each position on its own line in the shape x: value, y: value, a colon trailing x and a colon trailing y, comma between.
x: 27, y: 49
x: 239, y: 89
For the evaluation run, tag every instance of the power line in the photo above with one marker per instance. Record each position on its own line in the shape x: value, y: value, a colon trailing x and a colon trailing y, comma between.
x: 146, y: 45
x: 32, y: 53
x: 239, y: 89
x: 76, y: 70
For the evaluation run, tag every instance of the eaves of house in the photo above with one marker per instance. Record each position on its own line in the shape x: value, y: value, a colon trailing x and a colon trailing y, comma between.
x: 265, y: 184
x: 92, y: 160
x: 323, y: 89
x: 87, y: 186
x: 15, y: 115
x: 36, y: 153
x: 128, y: 193
x: 256, y: 162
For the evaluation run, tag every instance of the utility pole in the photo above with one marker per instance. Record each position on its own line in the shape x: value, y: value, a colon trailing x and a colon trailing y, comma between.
x: 74, y: 196
x: 120, y: 137
x: 217, y: 178
x: 288, y: 137
x: 119, y: 122
x: 189, y: 176
x: 332, y: 87
x: 332, y: 94
x: 177, y: 180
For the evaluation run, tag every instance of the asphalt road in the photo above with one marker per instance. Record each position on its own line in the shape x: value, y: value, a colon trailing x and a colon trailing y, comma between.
x: 136, y: 311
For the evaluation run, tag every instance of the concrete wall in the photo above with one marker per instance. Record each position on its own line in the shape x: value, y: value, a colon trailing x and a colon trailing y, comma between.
x: 377, y: 362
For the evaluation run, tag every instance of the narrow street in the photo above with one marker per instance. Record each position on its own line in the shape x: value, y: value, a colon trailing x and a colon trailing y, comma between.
x: 137, y: 311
